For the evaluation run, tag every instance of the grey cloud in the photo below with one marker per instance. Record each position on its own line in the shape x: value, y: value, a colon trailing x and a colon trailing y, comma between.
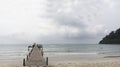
x: 72, y: 13
x: 69, y: 21
x: 72, y: 21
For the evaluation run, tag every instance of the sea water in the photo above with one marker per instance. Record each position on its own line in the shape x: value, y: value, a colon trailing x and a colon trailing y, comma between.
x: 64, y: 51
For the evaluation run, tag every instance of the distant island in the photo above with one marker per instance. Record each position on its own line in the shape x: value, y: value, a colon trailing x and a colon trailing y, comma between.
x: 112, y: 38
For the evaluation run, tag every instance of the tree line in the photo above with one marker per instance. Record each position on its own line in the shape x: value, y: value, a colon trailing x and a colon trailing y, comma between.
x: 112, y: 38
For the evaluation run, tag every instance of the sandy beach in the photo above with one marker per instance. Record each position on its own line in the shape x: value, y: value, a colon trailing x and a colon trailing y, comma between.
x: 82, y: 57
x: 16, y: 63
x: 104, y: 62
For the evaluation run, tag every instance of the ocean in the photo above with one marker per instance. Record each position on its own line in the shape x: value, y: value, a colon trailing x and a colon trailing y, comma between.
x: 58, y: 51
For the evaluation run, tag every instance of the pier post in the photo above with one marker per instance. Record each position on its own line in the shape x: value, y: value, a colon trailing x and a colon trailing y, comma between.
x: 47, y: 61
x: 23, y: 62
x: 27, y: 57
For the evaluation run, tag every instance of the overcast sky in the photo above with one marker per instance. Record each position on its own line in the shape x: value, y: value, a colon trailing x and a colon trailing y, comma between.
x: 57, y: 21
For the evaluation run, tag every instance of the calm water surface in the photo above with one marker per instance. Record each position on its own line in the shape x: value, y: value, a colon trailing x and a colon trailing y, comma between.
x: 19, y: 51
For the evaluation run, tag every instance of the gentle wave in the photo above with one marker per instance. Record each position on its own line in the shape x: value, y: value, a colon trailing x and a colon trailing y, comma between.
x: 15, y: 51
x: 65, y: 53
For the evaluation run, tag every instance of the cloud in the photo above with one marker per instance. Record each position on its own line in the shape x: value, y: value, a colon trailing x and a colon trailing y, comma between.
x: 57, y: 21
x: 76, y: 19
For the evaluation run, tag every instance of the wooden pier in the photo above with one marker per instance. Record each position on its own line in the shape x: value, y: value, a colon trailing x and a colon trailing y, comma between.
x: 35, y: 57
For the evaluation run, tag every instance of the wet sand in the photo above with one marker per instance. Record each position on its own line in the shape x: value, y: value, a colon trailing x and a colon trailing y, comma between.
x: 104, y: 62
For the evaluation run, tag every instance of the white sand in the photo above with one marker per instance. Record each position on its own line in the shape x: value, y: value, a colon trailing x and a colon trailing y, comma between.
x: 107, y: 62
x: 104, y: 62
x: 11, y: 64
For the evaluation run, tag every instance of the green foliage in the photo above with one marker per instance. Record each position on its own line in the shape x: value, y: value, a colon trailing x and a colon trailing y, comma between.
x: 112, y: 38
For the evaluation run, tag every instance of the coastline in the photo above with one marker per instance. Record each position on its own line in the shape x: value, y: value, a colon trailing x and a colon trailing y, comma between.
x: 66, y: 56
x: 101, y: 62
x: 104, y: 62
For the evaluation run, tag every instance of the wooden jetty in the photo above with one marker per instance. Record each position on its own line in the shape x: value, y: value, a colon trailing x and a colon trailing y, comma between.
x: 35, y: 57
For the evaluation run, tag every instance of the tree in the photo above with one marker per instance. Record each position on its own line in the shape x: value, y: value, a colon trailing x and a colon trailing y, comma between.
x: 112, y: 38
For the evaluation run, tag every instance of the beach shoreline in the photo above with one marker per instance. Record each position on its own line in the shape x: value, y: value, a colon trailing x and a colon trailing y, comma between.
x: 66, y: 56
x: 104, y: 62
